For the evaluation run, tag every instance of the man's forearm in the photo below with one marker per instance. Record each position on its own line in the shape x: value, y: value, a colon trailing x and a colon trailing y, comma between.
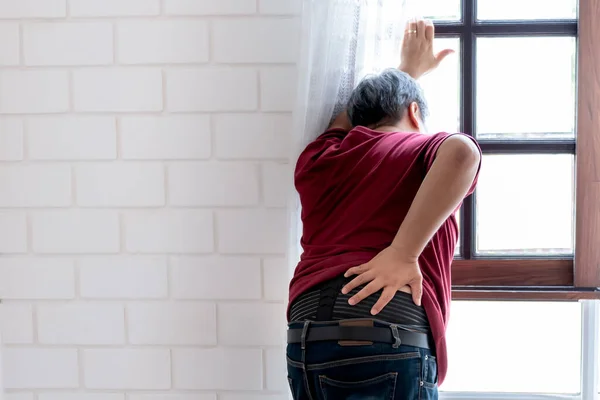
x: 410, y: 71
x: 342, y: 121
x: 443, y: 189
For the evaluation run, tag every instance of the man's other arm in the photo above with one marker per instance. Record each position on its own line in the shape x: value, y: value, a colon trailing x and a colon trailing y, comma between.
x: 341, y: 122
x: 445, y: 186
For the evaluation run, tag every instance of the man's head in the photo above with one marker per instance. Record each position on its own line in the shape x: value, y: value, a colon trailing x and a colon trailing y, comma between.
x: 391, y: 98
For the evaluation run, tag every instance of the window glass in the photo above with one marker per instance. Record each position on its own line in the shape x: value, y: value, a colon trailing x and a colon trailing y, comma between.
x: 442, y: 90
x: 515, y: 347
x: 598, y: 339
x: 524, y: 204
x: 526, y: 9
x: 526, y: 87
x: 457, y: 250
x: 439, y: 10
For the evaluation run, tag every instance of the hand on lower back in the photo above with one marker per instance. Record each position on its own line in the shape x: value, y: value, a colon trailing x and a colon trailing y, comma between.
x: 391, y: 271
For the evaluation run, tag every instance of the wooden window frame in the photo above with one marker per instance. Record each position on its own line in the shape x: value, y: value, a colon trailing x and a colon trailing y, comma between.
x: 529, y: 278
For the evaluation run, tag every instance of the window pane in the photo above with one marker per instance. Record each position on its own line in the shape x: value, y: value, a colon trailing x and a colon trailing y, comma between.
x: 459, y: 243
x: 442, y: 90
x: 440, y: 10
x: 524, y: 204
x: 519, y: 347
x: 527, y: 9
x: 526, y: 87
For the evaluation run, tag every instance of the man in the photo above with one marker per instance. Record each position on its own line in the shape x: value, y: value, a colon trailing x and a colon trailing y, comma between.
x: 369, y: 299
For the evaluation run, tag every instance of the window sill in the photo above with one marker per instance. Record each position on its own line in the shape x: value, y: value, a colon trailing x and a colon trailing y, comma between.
x: 563, y: 294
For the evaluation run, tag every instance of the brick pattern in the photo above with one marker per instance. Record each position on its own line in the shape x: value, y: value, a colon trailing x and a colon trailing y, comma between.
x: 144, y: 172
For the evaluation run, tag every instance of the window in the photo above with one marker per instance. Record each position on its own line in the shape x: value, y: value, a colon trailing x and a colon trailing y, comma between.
x: 526, y: 128
x: 523, y: 350
x: 517, y: 62
x: 528, y: 73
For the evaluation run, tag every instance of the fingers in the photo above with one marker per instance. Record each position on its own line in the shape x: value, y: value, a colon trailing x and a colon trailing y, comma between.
x: 356, y: 270
x: 417, y: 291
x: 439, y: 57
x: 367, y: 291
x: 429, y: 30
x: 411, y: 27
x: 387, y: 296
x: 421, y: 28
x: 410, y: 32
x: 358, y: 281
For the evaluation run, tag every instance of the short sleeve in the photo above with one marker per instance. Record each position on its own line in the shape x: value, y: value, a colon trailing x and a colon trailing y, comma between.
x: 433, y: 146
x: 317, y: 147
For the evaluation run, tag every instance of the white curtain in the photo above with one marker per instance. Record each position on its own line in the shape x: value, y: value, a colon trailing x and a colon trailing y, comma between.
x: 342, y: 41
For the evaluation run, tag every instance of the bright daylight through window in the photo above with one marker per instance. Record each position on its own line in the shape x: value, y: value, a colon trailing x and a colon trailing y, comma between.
x: 512, y: 84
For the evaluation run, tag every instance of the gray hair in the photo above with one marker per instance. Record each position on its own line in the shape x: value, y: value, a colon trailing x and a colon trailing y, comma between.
x: 385, y: 98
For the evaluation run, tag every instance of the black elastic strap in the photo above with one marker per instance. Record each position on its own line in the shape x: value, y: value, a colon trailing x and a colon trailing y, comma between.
x: 327, y: 297
x: 360, y: 333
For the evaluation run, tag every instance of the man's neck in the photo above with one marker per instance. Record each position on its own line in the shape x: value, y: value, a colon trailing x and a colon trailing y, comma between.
x: 399, y: 127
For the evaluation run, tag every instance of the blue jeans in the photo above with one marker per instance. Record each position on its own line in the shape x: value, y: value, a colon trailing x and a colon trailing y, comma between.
x: 330, y: 371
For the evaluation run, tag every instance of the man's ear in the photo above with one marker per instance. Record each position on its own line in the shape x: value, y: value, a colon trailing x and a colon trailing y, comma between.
x: 414, y: 113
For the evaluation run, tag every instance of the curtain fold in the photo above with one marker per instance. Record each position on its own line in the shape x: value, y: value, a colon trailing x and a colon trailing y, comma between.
x: 341, y: 42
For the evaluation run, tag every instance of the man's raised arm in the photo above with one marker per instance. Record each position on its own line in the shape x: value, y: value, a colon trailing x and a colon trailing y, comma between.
x: 416, y: 60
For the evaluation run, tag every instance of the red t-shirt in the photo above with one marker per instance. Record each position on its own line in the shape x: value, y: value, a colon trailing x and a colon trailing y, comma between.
x: 355, y: 189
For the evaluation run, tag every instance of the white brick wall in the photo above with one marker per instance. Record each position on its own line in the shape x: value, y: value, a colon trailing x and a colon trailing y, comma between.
x: 150, y: 42
x: 219, y: 368
x: 117, y: 90
x: 212, y: 89
x: 33, y: 9
x: 34, y: 91
x: 262, y: 138
x: 11, y: 139
x: 9, y: 44
x: 223, y: 7
x: 143, y: 179
x: 114, y: 8
x: 88, y: 138
x: 207, y: 278
x: 79, y: 43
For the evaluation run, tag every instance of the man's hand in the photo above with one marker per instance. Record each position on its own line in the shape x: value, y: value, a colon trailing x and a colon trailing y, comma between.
x: 391, y: 270
x: 417, y: 49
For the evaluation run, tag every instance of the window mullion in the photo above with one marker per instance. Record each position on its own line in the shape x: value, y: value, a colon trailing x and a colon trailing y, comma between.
x: 468, y: 65
x: 507, y: 146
